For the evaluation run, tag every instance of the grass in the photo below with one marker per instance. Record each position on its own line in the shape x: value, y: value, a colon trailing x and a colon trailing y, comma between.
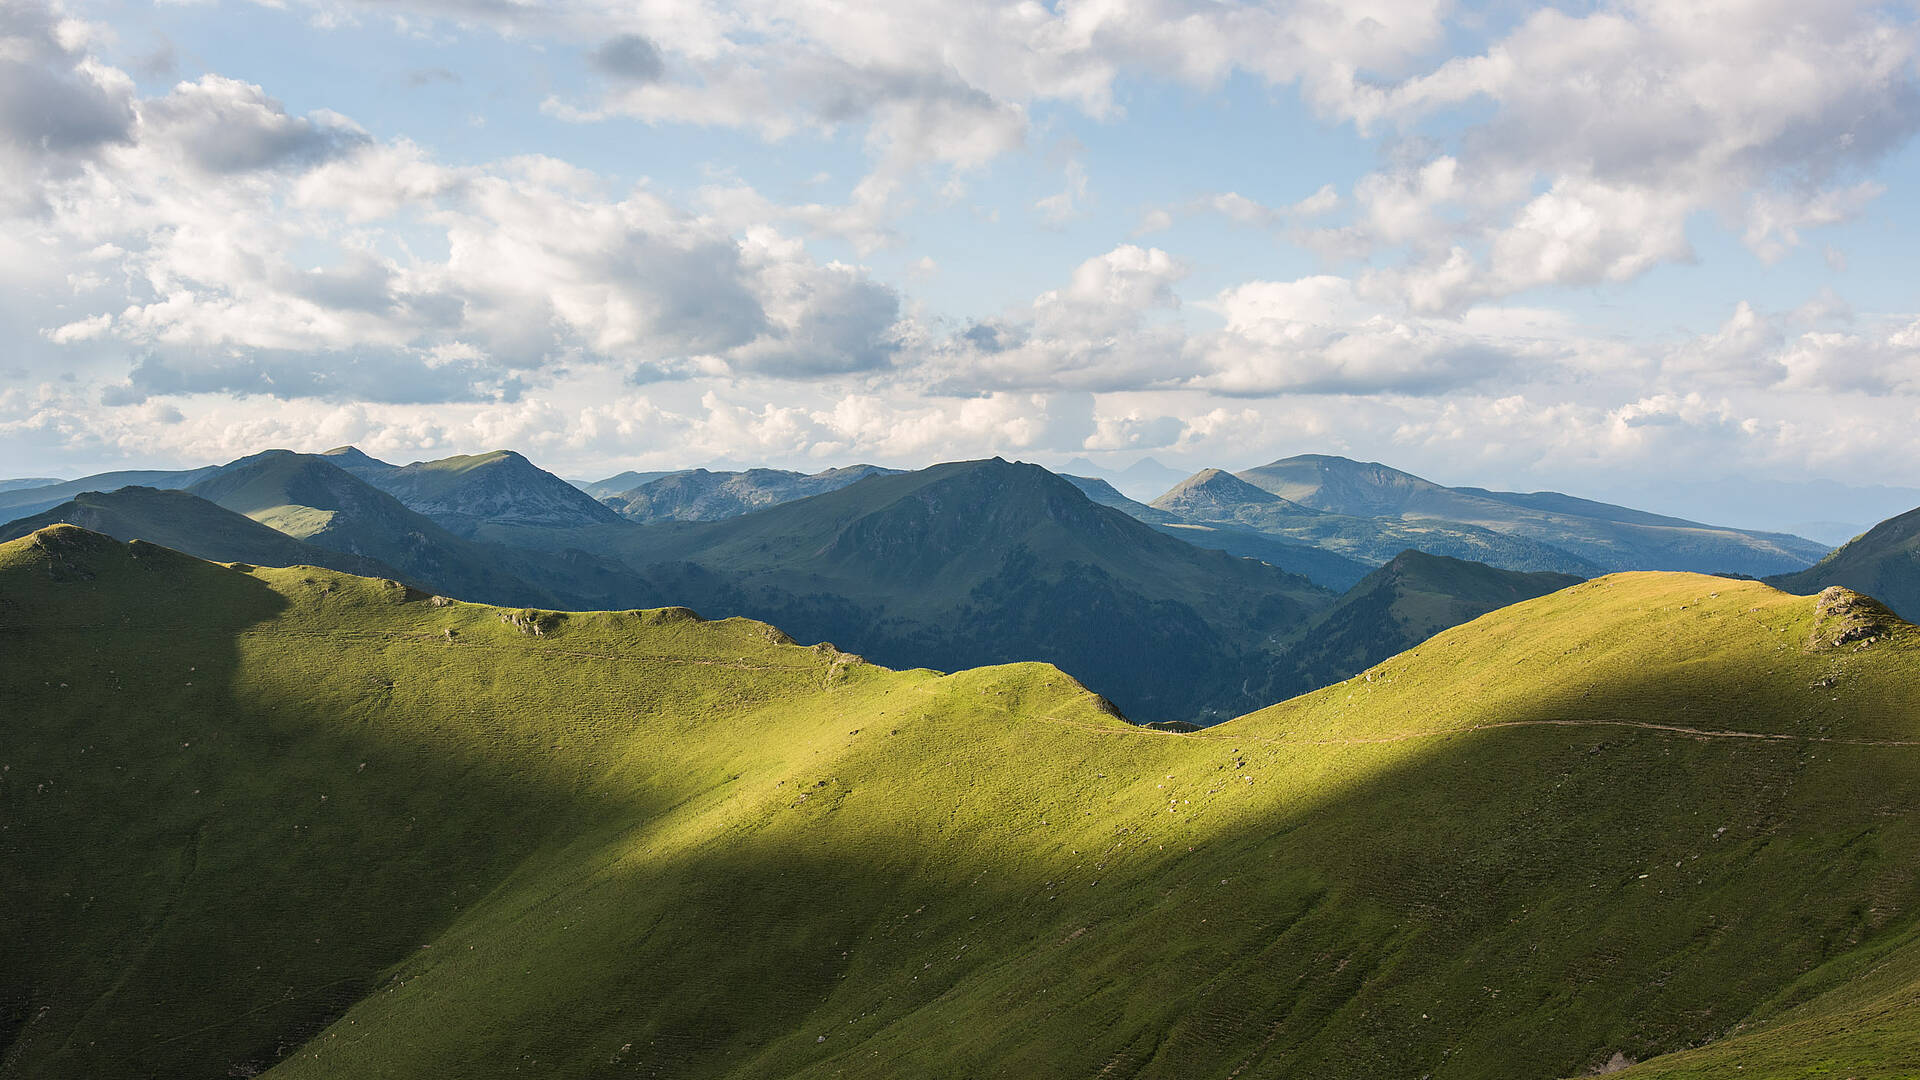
x: 295, y: 821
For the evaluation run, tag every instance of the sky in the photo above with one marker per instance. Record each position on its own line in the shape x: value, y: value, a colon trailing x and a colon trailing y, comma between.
x: 1660, y: 248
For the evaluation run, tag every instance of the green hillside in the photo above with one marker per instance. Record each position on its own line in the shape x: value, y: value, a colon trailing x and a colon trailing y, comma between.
x: 187, y: 522
x: 1222, y: 499
x: 319, y: 826
x: 1883, y: 562
x: 1607, y: 537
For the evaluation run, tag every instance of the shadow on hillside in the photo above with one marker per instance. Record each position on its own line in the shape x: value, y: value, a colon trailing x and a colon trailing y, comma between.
x: 976, y: 896
x: 199, y: 877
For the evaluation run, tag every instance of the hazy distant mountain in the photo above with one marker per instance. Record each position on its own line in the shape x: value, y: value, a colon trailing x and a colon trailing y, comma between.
x: 1606, y: 536
x: 1106, y: 494
x: 22, y: 482
x: 1825, y: 510
x: 467, y: 492
x: 626, y: 481
x: 1404, y: 603
x: 22, y: 502
x: 1223, y: 499
x: 1884, y: 563
x: 188, y: 523
x: 1325, y: 568
x: 700, y: 495
x: 1141, y: 480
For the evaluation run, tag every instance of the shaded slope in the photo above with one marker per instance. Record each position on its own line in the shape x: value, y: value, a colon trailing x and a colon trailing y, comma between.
x: 1609, y: 537
x: 637, y: 844
x: 1404, y: 603
x: 699, y: 495
x: 1222, y: 499
x: 190, y: 524
x: 1883, y: 562
x: 984, y: 562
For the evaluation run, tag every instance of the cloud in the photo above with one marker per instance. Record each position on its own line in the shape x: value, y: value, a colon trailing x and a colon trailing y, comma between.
x: 224, y: 125
x: 629, y: 57
x: 58, y: 107
x: 257, y: 253
x: 1634, y: 117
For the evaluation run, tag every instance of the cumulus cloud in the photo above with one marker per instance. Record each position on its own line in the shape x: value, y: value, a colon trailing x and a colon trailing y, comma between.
x: 234, y: 247
x: 1635, y: 117
x: 223, y: 125
x: 58, y: 107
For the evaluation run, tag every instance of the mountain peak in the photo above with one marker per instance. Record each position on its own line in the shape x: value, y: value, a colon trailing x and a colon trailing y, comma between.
x: 1212, y: 488
x: 354, y: 459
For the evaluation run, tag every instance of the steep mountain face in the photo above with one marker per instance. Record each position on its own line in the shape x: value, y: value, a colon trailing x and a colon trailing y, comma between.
x: 188, y: 523
x: 699, y: 495
x: 24, y: 502
x: 1608, y: 537
x: 309, y: 498
x: 465, y: 494
x: 1883, y: 562
x: 987, y: 562
x: 301, y: 824
x: 1222, y: 499
x: 1404, y: 603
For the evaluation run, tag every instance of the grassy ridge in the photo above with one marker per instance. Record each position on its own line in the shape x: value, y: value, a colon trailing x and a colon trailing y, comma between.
x: 635, y: 844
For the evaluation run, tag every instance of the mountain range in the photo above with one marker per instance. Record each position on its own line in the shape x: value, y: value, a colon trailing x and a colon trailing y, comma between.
x: 699, y: 495
x: 296, y: 823
x: 1369, y: 511
x: 1223, y: 596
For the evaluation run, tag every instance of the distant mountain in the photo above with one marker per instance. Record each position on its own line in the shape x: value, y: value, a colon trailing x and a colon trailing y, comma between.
x: 188, y: 523
x: 1145, y: 478
x: 1884, y: 563
x: 985, y: 562
x: 1404, y: 603
x: 469, y: 492
x: 626, y: 481
x: 700, y: 495
x: 308, y: 497
x: 22, y: 482
x: 1216, y: 497
x: 1605, y: 536
x: 1106, y: 494
x: 22, y: 502
x: 1322, y: 567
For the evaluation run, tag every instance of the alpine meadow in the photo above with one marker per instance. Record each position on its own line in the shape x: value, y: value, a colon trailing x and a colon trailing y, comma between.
x: 998, y: 540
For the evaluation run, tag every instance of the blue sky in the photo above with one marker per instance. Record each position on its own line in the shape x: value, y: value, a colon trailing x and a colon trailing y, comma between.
x: 1615, y: 247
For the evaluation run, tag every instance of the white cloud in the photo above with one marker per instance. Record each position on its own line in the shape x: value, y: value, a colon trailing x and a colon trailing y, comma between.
x: 1634, y: 118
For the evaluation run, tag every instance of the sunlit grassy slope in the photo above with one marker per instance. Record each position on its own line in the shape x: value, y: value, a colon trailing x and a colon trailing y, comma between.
x: 299, y: 821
